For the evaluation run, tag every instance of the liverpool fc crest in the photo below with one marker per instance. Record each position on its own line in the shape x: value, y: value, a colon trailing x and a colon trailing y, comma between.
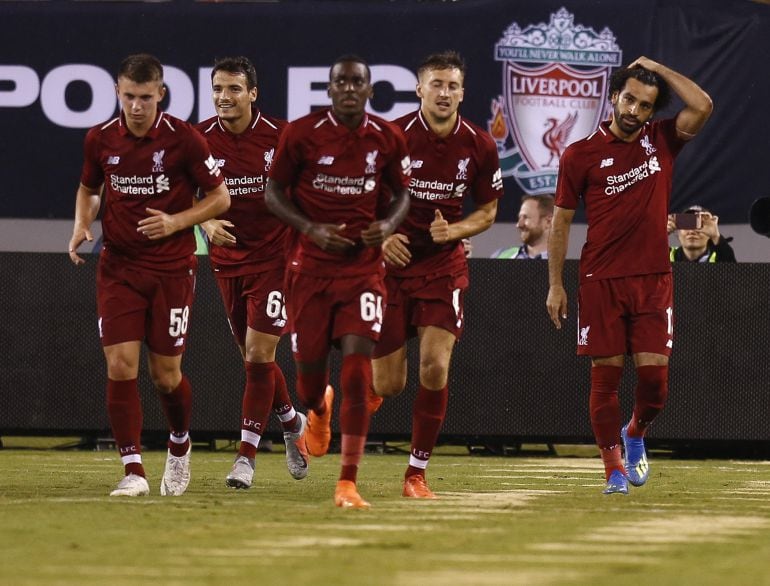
x: 554, y: 92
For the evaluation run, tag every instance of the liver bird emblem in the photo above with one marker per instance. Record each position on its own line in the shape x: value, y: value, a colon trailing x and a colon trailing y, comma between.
x: 556, y: 136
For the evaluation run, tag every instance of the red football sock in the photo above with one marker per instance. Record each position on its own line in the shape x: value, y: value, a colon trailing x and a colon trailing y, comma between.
x: 650, y: 397
x: 428, y: 415
x: 310, y: 389
x: 177, y: 405
x: 355, y: 380
x: 257, y: 400
x: 282, y: 405
x: 604, y: 406
x: 125, y: 412
x: 352, y: 450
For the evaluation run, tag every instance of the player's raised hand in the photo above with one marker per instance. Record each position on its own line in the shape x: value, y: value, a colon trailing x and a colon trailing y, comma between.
x: 439, y: 228
x: 79, y: 235
x: 395, y: 250
x: 556, y: 303
x: 328, y: 237
x: 157, y: 225
x: 217, y: 232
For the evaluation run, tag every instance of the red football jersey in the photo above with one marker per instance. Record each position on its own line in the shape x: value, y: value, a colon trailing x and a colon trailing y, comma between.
x: 244, y: 160
x: 160, y: 170
x: 625, y: 188
x: 444, y: 171
x: 340, y: 176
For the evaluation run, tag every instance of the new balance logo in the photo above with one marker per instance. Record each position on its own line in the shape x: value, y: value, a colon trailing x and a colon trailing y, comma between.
x: 179, y: 342
x: 279, y: 323
x: 113, y: 160
x: 326, y: 160
x: 606, y: 163
x: 416, y: 164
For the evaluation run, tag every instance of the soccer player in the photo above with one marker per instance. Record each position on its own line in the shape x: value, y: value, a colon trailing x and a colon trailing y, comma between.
x: 332, y: 179
x: 622, y: 172
x: 534, y: 224
x: 149, y: 166
x: 452, y: 159
x: 248, y: 257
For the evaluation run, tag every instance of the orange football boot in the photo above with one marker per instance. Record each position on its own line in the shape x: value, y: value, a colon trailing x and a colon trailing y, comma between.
x: 346, y: 496
x: 416, y: 487
x: 373, y: 401
x: 319, y: 431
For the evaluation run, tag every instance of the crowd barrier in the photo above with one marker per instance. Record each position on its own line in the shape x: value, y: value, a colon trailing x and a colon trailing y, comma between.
x: 514, y: 379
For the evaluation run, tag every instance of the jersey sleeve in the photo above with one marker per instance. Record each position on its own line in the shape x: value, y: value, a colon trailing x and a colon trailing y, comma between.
x: 287, y: 157
x: 667, y: 129
x: 570, y: 181
x: 489, y: 182
x: 201, y: 164
x: 398, y: 170
x: 92, y: 174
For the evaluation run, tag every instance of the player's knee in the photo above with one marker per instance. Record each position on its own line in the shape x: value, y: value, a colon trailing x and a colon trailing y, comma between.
x: 166, y: 381
x: 434, y: 373
x: 121, y: 368
x: 388, y: 388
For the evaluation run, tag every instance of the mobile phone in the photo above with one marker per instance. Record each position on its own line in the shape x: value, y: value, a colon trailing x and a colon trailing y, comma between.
x: 687, y: 221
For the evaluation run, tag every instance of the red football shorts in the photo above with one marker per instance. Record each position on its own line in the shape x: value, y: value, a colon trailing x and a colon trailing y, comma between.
x: 626, y: 315
x: 322, y: 310
x: 254, y: 301
x: 133, y: 304
x: 416, y: 302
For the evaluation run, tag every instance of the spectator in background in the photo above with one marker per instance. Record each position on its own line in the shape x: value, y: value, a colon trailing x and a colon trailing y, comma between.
x: 700, y: 245
x: 535, y: 215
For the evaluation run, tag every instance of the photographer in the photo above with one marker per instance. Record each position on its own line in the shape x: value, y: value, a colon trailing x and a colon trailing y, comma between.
x: 698, y: 232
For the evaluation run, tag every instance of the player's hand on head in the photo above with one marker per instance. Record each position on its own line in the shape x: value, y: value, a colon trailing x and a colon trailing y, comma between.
x: 328, y: 237
x: 157, y: 224
x: 439, y: 228
x: 395, y: 250
x: 376, y: 233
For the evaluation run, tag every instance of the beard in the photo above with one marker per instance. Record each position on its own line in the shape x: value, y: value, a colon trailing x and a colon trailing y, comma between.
x: 629, y: 125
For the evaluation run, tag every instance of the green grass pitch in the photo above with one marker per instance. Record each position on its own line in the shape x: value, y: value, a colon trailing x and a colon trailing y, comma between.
x: 538, y: 520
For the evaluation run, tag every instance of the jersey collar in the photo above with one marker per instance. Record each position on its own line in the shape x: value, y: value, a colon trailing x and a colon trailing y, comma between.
x: 152, y: 133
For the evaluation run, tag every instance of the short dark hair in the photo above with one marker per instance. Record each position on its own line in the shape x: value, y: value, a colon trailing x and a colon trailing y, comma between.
x: 237, y: 65
x: 141, y: 68
x: 621, y: 76
x: 443, y: 60
x: 351, y: 58
x: 545, y: 203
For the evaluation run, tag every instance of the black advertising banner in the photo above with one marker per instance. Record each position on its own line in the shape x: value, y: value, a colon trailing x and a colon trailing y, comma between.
x: 537, y: 78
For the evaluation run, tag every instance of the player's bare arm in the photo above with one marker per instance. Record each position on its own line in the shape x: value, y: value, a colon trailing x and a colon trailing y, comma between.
x: 217, y: 232
x: 377, y: 232
x: 698, y: 104
x: 158, y: 224
x: 325, y: 236
x: 474, y: 223
x: 87, y: 202
x: 556, y: 303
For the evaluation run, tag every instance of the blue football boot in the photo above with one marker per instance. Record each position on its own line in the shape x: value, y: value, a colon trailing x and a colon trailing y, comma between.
x: 637, y: 467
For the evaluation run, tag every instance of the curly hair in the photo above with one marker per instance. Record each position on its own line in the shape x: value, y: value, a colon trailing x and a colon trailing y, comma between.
x: 621, y: 76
